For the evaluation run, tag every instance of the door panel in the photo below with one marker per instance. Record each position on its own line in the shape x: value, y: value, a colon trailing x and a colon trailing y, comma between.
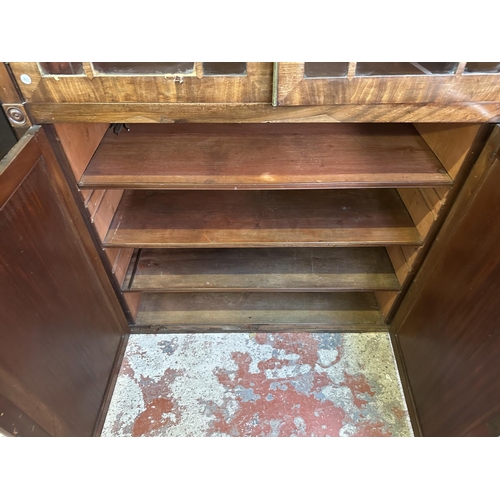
x: 61, y: 324
x: 448, y: 324
x: 367, y: 83
x: 193, y: 82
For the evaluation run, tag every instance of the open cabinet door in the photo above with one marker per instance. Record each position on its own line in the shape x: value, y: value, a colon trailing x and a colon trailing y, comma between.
x: 448, y: 325
x: 61, y: 325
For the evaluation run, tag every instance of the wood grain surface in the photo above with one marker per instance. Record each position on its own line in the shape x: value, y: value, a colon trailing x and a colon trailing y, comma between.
x: 295, y: 90
x: 263, y: 269
x: 264, y: 156
x: 61, y: 321
x: 154, y: 112
x: 231, y: 219
x: 448, y: 323
x: 331, y: 311
x: 255, y: 86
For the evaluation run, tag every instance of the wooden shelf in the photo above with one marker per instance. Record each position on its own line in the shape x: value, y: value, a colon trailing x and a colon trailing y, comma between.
x: 264, y: 156
x: 330, y: 312
x: 262, y: 270
x: 232, y: 219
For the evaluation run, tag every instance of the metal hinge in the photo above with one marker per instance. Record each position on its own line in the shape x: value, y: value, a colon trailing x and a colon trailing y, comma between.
x: 117, y: 127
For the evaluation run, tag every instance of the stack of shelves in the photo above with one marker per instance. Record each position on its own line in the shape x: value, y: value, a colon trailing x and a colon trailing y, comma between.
x: 264, y: 226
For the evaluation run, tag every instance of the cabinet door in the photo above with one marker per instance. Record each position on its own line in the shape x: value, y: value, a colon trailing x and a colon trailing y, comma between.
x: 60, y: 322
x: 162, y: 82
x: 448, y: 324
x: 369, y: 83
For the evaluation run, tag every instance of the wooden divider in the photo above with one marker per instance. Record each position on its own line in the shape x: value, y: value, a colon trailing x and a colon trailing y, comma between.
x: 79, y: 143
x: 451, y: 143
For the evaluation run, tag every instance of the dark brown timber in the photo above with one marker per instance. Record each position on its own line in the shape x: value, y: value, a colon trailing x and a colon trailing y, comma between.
x: 264, y: 156
x: 263, y: 269
x: 346, y: 217
x: 61, y: 322
x: 448, y: 323
x: 346, y: 312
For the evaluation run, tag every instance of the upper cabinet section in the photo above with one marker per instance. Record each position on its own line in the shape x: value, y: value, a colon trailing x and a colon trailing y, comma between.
x: 367, y: 83
x: 258, y: 92
x: 145, y: 82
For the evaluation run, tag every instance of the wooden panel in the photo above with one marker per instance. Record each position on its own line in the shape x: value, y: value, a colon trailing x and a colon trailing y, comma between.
x: 450, y: 142
x: 410, y: 254
x: 432, y: 199
x: 120, y: 354
x: 121, y: 263
x: 448, y: 323
x: 405, y: 385
x: 386, y: 302
x: 86, y: 195
x: 133, y: 301
x: 458, y: 147
x: 105, y: 212
x: 264, y: 156
x: 399, y: 263
x: 442, y: 193
x: 261, y: 218
x: 255, y: 86
x: 112, y: 254
x: 417, y: 207
x: 16, y: 423
x: 294, y: 89
x: 79, y: 142
x: 8, y: 91
x: 277, y: 269
x: 477, y: 112
x: 61, y: 321
x: 331, y: 311
x: 95, y: 200
x: 136, y: 252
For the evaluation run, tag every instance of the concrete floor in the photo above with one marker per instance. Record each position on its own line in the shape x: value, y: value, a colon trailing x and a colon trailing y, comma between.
x: 260, y: 384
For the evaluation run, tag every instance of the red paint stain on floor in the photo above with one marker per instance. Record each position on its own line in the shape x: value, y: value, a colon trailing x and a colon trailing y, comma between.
x: 305, y: 346
x: 278, y: 408
x: 358, y: 386
x: 159, y: 404
x: 152, y: 417
x: 399, y: 412
x: 371, y: 429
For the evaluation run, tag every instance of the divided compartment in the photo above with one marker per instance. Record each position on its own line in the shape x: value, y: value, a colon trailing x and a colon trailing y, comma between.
x: 202, y: 312
x: 250, y: 219
x: 261, y: 270
x: 264, y: 156
x: 200, y: 214
x: 79, y: 143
